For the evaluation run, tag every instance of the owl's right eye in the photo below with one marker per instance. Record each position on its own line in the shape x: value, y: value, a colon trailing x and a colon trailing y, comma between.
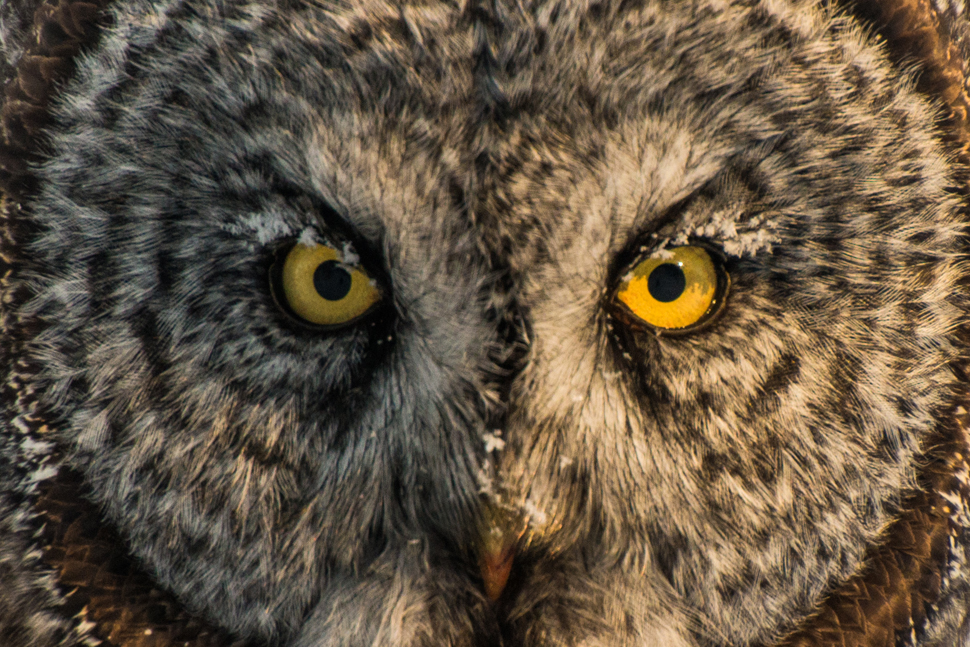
x: 318, y: 285
x: 677, y: 293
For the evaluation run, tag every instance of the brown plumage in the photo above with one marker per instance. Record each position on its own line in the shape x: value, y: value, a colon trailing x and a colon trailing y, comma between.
x: 99, y: 580
x: 902, y: 576
x: 914, y: 35
x: 102, y: 584
x: 892, y: 594
x: 61, y: 29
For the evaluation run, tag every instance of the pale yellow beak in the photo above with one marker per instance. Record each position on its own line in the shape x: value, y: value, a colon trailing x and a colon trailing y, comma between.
x: 500, y: 538
x: 496, y: 566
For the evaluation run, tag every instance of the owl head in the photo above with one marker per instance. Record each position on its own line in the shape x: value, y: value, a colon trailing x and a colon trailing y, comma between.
x: 544, y: 324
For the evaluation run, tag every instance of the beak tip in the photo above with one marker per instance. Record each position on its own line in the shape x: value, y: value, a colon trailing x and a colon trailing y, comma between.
x: 495, y: 567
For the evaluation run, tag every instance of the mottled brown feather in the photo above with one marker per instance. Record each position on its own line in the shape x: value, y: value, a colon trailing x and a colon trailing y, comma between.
x: 62, y: 28
x: 902, y: 577
x: 914, y: 36
x: 102, y: 584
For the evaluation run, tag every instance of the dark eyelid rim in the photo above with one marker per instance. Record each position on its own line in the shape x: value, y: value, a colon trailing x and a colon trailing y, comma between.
x: 330, y: 224
x: 274, y: 276
x: 329, y: 221
x: 643, y: 243
x: 643, y: 236
x: 623, y: 314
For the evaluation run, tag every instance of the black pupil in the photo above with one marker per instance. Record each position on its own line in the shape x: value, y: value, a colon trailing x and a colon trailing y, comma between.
x: 666, y: 282
x: 331, y: 281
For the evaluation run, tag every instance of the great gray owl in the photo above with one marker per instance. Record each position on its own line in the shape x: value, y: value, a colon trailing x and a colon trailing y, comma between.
x: 588, y: 323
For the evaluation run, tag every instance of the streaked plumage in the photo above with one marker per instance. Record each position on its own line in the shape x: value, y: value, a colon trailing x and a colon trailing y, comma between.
x: 185, y: 460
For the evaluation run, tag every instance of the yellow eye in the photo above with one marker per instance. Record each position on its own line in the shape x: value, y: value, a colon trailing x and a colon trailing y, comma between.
x: 323, y: 289
x: 677, y: 293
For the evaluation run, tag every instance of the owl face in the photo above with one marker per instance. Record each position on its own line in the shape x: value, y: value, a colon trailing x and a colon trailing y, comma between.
x: 341, y: 301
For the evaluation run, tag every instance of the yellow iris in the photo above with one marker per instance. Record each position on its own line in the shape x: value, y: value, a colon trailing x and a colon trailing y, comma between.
x: 320, y: 288
x: 672, y: 293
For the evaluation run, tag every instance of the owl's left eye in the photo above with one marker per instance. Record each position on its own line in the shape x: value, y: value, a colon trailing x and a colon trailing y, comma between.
x: 678, y: 293
x: 317, y: 285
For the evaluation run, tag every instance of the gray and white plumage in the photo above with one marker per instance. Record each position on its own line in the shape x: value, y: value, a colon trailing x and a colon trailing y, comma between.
x: 497, y: 167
